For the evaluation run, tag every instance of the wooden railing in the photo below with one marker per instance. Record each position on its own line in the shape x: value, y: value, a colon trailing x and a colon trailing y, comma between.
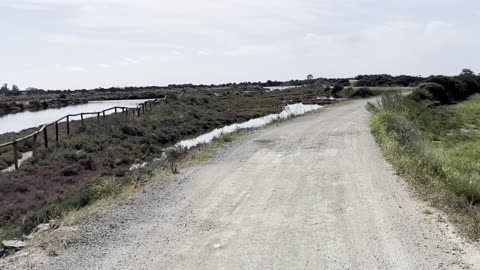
x: 136, y: 111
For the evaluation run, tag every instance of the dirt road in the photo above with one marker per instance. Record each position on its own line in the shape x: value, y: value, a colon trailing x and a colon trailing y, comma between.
x: 311, y: 193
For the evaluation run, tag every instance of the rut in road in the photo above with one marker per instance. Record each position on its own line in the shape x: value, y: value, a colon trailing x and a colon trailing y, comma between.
x: 311, y: 193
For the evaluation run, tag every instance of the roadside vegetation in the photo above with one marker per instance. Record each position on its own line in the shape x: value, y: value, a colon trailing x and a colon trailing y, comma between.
x: 432, y: 138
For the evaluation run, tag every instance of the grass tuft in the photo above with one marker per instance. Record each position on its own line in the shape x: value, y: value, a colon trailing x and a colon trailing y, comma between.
x: 106, y: 186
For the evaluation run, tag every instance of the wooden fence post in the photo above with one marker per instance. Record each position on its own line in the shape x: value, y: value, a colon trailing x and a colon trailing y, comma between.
x: 115, y: 110
x: 98, y: 117
x: 45, y: 136
x: 81, y: 117
x: 34, y: 146
x: 104, y: 115
x: 138, y: 110
x: 15, y: 154
x: 56, y: 132
x: 68, y: 125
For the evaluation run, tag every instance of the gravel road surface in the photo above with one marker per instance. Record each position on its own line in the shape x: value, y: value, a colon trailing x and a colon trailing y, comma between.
x: 310, y: 193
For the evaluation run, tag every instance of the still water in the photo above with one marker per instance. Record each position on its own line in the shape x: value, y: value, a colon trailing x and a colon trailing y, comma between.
x: 288, y: 111
x: 20, y: 121
x: 282, y: 88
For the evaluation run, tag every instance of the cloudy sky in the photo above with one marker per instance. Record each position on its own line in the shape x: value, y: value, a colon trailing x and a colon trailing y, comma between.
x: 92, y: 43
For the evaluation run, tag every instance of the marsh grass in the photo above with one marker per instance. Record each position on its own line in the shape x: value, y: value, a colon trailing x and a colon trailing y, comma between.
x: 78, y: 171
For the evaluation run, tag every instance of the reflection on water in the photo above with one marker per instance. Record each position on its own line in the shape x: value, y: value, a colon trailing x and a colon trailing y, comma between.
x: 20, y: 121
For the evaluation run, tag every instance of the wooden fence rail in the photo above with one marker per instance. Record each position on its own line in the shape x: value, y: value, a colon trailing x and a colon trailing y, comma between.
x: 142, y: 108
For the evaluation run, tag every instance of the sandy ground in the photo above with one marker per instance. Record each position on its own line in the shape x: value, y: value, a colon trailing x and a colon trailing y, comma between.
x: 311, y: 193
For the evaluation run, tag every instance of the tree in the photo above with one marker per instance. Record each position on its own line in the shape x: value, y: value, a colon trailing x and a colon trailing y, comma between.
x: 4, y: 88
x: 433, y: 91
x: 335, y: 90
x: 327, y: 91
x: 310, y: 77
x: 467, y: 72
x: 15, y: 91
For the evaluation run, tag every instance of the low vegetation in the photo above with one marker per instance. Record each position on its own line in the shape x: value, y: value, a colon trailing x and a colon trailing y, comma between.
x: 432, y: 138
x: 95, y: 161
x: 385, y: 80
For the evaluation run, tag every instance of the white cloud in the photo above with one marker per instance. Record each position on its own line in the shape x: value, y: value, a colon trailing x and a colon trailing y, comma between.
x: 438, y: 28
x: 204, y: 52
x: 77, y: 69
x: 25, y: 6
x: 316, y: 39
x: 127, y: 61
x: 177, y: 53
x: 105, y: 66
x: 131, y: 60
x: 232, y: 40
x: 77, y: 40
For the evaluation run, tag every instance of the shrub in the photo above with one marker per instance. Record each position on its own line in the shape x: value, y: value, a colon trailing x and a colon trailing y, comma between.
x: 88, y: 163
x: 362, y: 93
x: 131, y: 131
x: 456, y: 88
x: 393, y: 102
x: 44, y: 215
x: 432, y: 91
x: 395, y: 126
x: 420, y: 94
x: 174, y: 155
x: 106, y: 186
x: 336, y: 90
x: 71, y: 170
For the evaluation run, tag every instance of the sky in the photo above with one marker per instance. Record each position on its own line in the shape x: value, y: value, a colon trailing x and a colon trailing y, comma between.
x: 73, y: 44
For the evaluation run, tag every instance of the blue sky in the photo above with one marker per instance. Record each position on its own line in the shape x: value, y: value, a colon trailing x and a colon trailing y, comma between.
x: 70, y: 44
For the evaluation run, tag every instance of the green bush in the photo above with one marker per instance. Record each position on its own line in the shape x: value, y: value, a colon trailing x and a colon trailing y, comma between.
x: 434, y: 91
x: 336, y: 90
x: 71, y: 170
x: 420, y: 94
x: 131, y: 131
x: 362, y: 93
x: 453, y: 89
x: 88, y: 163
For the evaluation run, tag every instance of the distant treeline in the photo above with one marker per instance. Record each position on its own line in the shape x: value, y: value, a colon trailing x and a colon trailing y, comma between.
x: 360, y: 80
x: 387, y: 80
x: 376, y: 80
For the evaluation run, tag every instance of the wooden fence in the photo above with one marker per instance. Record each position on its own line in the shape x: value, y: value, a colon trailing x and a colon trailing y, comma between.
x: 137, y: 111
